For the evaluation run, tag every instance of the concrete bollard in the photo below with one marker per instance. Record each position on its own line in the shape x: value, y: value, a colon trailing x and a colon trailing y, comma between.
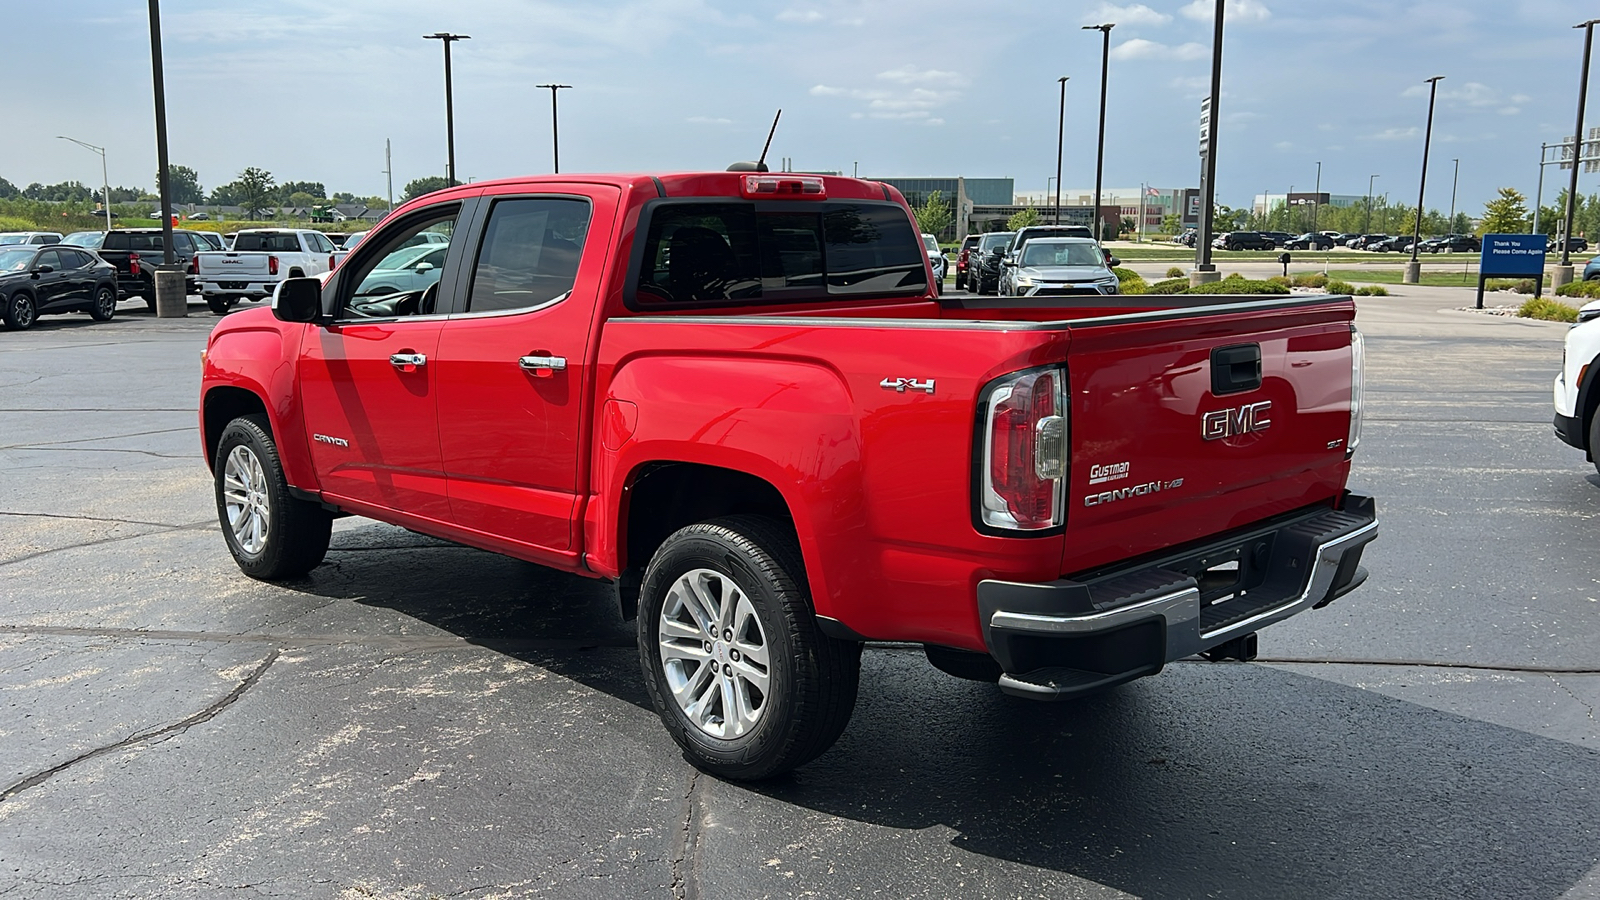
x: 1413, y: 272
x: 1559, y: 276
x: 172, y: 295
x: 1204, y: 276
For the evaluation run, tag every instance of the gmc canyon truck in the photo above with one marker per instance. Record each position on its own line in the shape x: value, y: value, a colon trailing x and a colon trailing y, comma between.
x: 259, y: 260
x: 737, y: 397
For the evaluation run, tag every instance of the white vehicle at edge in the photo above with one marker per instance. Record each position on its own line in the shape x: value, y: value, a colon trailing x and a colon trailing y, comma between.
x: 259, y: 260
x: 1577, y: 386
x: 407, y: 269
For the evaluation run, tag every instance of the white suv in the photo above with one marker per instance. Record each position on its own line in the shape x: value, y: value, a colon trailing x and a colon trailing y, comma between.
x: 1577, y: 386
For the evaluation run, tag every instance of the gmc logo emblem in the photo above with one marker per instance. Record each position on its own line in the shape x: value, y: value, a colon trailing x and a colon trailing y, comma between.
x: 1229, y: 422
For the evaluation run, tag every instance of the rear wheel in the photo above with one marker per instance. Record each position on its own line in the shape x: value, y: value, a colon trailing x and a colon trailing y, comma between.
x: 20, y: 312
x: 735, y: 665
x: 1594, y: 440
x: 271, y: 534
x: 105, y: 304
x: 219, y: 304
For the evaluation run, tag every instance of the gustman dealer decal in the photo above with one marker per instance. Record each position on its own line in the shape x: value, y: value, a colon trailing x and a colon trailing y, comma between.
x: 1113, y: 472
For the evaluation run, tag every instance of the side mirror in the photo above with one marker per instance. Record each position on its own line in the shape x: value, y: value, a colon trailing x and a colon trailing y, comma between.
x: 425, y: 267
x: 1115, y: 261
x: 44, y: 270
x: 298, y: 300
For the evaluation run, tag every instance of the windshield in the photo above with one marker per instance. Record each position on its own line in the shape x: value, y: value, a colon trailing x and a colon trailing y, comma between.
x: 406, y: 257
x: 1060, y: 253
x: 996, y: 240
x: 90, y: 239
x: 13, y: 238
x: 15, y: 260
x: 930, y: 242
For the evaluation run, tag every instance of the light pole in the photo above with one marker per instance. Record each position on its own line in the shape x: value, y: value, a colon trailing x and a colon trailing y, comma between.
x: 1563, y: 272
x: 1316, y: 198
x: 105, y: 193
x: 1204, y: 270
x: 1100, y: 152
x: 447, y: 39
x: 1453, y: 183
x: 1061, y: 131
x: 1414, y: 268
x: 555, y: 135
x: 163, y: 183
x: 1366, y: 224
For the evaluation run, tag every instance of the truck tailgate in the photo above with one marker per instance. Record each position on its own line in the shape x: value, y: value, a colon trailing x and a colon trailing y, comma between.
x: 1174, y: 436
x: 228, y: 264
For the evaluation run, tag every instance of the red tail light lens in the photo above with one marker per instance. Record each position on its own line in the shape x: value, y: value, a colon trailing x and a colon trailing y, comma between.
x: 272, y: 265
x: 133, y: 263
x: 1025, y: 452
x: 791, y: 186
x: 330, y: 262
x: 194, y: 265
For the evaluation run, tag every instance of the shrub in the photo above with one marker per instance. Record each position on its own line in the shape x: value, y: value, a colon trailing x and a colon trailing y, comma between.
x: 1176, y: 272
x: 1525, y: 286
x: 1340, y: 287
x: 1587, y: 289
x: 1550, y: 310
x: 1279, y: 279
x: 1169, y: 286
x: 1372, y: 290
x: 1132, y: 283
x: 1238, y: 286
x: 1500, y: 284
x: 1310, y: 280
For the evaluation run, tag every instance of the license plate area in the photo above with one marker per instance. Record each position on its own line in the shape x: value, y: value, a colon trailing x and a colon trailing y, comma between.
x: 1230, y: 572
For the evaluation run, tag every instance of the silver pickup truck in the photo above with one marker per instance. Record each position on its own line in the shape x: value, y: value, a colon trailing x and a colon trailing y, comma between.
x: 259, y: 260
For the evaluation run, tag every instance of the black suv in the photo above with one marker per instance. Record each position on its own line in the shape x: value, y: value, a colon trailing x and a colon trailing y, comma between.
x: 135, y: 252
x: 983, y: 263
x: 1311, y: 241
x: 37, y: 280
x: 1248, y: 240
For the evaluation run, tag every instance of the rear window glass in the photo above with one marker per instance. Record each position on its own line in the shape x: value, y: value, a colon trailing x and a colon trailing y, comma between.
x: 723, y: 252
x: 268, y: 242
x: 134, y: 240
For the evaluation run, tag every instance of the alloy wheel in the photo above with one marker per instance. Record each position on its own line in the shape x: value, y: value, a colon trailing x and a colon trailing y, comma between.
x: 249, y: 511
x: 714, y: 654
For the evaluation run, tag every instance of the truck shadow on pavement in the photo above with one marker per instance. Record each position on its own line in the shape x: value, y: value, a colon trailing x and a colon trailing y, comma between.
x: 1208, y: 780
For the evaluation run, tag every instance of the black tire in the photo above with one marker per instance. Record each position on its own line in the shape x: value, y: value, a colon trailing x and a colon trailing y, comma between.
x: 812, y: 678
x: 20, y: 312
x: 219, y: 305
x: 104, y: 305
x: 1594, y: 440
x: 297, y: 532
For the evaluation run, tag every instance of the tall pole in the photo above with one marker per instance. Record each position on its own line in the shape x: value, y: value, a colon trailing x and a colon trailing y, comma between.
x: 105, y: 190
x: 555, y: 134
x: 1316, y: 198
x: 447, y: 39
x: 1454, y: 182
x: 1366, y: 225
x: 1208, y: 172
x: 388, y: 168
x: 1577, y: 149
x: 1414, y: 272
x: 1538, y: 193
x: 1100, y: 151
x: 163, y: 182
x: 1061, y: 131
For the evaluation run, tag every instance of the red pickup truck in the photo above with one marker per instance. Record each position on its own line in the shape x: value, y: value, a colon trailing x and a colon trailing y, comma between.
x: 738, y: 397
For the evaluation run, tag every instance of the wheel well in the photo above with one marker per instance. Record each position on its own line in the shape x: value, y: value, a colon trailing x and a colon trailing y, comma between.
x: 223, y: 405
x: 667, y: 496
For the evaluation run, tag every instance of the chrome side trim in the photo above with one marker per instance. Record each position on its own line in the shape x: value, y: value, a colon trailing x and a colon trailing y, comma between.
x: 1323, y: 569
x: 496, y: 313
x: 1177, y: 607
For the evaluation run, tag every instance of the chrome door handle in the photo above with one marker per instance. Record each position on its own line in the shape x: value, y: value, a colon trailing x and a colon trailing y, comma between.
x: 408, y: 359
x: 536, y: 363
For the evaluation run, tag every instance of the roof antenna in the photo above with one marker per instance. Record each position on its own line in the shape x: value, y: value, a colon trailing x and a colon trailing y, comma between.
x: 759, y: 165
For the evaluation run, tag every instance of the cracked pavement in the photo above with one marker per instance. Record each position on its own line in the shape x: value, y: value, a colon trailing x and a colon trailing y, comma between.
x: 419, y: 720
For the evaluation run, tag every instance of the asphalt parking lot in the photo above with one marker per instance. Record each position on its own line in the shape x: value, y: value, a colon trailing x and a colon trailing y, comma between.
x: 419, y: 720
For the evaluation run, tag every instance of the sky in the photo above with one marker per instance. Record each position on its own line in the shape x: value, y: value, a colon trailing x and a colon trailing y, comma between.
x: 310, y: 89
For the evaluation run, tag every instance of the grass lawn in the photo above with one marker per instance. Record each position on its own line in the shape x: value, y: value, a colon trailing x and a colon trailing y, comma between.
x: 1395, y: 276
x: 1223, y: 257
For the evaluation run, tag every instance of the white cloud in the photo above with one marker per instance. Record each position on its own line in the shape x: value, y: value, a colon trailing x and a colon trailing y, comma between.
x: 1235, y: 11
x: 1394, y: 134
x: 1132, y: 14
x: 913, y: 95
x: 1509, y: 110
x: 708, y: 120
x: 1139, y: 48
x: 910, y: 74
x: 800, y: 15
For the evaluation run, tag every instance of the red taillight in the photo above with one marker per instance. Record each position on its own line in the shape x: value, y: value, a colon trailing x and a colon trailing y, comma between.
x: 133, y: 263
x: 1025, y: 450
x: 330, y: 262
x: 783, y: 185
x: 272, y: 265
x: 194, y: 265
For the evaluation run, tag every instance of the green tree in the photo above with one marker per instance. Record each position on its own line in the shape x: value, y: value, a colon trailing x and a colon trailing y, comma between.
x: 312, y: 188
x: 1170, y: 224
x: 184, y: 183
x: 255, y: 188
x: 420, y: 186
x: 1505, y: 214
x: 934, y: 215
x: 1022, y: 219
x: 1126, y: 226
x: 9, y: 191
x: 343, y: 197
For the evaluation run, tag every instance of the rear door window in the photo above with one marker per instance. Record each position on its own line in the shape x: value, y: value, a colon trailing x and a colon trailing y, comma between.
x: 529, y: 254
x: 270, y: 242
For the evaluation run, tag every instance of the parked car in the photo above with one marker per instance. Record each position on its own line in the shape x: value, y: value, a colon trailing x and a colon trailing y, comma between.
x: 259, y: 260
x: 1574, y: 244
x: 1058, y: 267
x: 985, y: 263
x: 963, y: 260
x: 1024, y: 235
x: 89, y: 239
x: 596, y: 384
x: 1188, y: 238
x: 936, y: 259
x: 1577, y: 382
x: 212, y: 238
x: 135, y: 252
x: 38, y: 280
x: 407, y: 269
x: 1591, y: 272
x: 30, y: 237
x: 1455, y: 243
x: 1247, y: 240
x: 1279, y: 238
x: 1309, y: 241
x: 1392, y: 244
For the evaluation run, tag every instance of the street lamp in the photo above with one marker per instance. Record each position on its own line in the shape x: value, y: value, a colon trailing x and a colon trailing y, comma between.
x: 1414, y: 268
x: 555, y: 135
x: 1453, y: 183
x: 1563, y: 273
x: 1316, y: 197
x: 1204, y: 270
x: 1061, y: 130
x: 449, y: 101
x: 1100, y: 152
x: 105, y: 193
x: 1366, y: 224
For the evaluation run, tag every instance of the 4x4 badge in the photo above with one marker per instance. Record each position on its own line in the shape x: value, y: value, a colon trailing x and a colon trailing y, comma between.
x: 901, y: 385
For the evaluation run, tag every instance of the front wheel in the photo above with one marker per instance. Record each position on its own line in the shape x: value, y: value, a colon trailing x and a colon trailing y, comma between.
x: 735, y: 665
x: 1594, y: 440
x: 105, y: 304
x: 20, y: 312
x: 271, y: 534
